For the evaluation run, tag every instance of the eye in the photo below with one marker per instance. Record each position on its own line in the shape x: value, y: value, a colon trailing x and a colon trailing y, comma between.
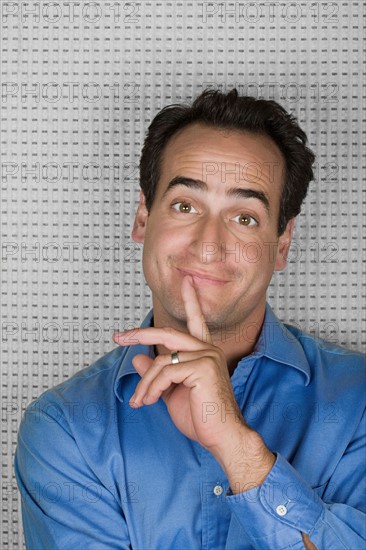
x: 184, y: 207
x: 245, y: 219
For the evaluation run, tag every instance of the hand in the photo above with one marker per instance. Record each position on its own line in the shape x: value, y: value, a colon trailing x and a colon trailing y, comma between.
x: 197, y: 391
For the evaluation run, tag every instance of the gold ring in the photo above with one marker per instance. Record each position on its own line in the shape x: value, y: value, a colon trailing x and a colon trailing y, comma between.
x: 175, y: 357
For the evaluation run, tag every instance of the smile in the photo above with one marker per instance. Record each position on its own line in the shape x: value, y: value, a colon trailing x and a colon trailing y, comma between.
x: 200, y: 278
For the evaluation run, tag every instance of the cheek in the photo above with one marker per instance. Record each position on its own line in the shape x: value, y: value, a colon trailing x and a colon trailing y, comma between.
x: 164, y: 237
x: 258, y: 254
x: 161, y: 243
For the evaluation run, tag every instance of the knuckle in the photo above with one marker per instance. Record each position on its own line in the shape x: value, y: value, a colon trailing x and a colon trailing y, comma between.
x: 165, y: 371
x: 219, y: 354
x: 211, y: 363
x: 160, y: 361
x: 216, y: 354
x: 169, y: 330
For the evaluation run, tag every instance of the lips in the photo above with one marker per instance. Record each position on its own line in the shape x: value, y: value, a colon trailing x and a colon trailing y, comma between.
x: 200, y: 277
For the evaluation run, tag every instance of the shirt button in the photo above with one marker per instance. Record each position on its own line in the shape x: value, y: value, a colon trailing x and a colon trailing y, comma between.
x: 281, y: 510
x: 218, y: 490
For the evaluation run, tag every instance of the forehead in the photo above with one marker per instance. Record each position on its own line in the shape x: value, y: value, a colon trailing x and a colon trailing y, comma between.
x: 218, y: 156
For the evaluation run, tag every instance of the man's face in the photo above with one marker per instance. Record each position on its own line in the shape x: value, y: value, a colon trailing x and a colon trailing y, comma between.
x: 217, y: 222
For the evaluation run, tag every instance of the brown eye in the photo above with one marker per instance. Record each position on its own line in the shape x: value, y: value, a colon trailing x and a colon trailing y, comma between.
x: 246, y: 220
x: 184, y: 207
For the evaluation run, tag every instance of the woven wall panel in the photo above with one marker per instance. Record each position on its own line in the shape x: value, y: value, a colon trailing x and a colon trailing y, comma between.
x: 80, y: 83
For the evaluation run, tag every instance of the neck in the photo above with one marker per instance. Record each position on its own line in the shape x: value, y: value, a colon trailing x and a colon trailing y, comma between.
x: 236, y: 341
x: 240, y: 340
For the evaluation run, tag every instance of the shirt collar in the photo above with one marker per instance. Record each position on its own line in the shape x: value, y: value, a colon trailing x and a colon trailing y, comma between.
x: 126, y: 366
x: 275, y: 342
x: 280, y: 344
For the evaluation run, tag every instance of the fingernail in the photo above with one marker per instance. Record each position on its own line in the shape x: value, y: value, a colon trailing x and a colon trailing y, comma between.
x: 121, y: 336
x: 133, y: 403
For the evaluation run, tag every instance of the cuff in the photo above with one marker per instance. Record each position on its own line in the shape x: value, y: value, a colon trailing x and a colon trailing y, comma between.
x: 279, y: 510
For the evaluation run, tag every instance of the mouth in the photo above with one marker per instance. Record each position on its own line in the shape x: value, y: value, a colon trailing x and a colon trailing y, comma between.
x: 200, y: 278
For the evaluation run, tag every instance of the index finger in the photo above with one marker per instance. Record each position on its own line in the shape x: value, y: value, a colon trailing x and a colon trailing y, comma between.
x: 196, y: 322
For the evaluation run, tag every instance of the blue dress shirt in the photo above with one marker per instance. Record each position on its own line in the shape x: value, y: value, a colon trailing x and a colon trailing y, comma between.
x: 96, y: 474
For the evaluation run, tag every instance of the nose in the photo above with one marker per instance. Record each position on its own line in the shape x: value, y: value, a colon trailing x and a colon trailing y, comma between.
x: 208, y: 240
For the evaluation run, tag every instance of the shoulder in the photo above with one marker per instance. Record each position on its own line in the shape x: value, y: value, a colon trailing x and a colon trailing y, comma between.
x: 331, y: 359
x: 89, y: 391
x: 326, y: 348
x: 70, y: 420
x: 99, y: 374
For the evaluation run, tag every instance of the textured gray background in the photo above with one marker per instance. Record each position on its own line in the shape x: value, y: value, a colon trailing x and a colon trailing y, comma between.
x: 80, y: 83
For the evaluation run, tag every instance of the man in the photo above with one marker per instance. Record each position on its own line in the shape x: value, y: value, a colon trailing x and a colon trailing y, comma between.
x: 213, y: 425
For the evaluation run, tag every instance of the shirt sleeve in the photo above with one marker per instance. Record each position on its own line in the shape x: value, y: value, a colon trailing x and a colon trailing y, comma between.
x: 275, y: 514
x: 64, y: 504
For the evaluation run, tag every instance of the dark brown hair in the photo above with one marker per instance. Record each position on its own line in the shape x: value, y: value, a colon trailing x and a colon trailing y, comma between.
x: 233, y: 112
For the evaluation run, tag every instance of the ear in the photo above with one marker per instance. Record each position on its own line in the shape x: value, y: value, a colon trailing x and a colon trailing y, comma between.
x: 139, y: 226
x: 284, y: 243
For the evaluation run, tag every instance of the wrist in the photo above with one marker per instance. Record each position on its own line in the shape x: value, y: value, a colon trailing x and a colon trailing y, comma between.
x: 245, y: 459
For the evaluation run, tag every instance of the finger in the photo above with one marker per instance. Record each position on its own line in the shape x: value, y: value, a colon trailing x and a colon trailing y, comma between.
x: 147, y: 377
x: 184, y: 373
x: 170, y: 338
x: 196, y: 321
x: 129, y: 339
x: 142, y: 363
x: 155, y: 367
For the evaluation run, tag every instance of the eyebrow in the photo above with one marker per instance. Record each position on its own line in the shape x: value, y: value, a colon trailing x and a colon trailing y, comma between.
x: 236, y: 192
